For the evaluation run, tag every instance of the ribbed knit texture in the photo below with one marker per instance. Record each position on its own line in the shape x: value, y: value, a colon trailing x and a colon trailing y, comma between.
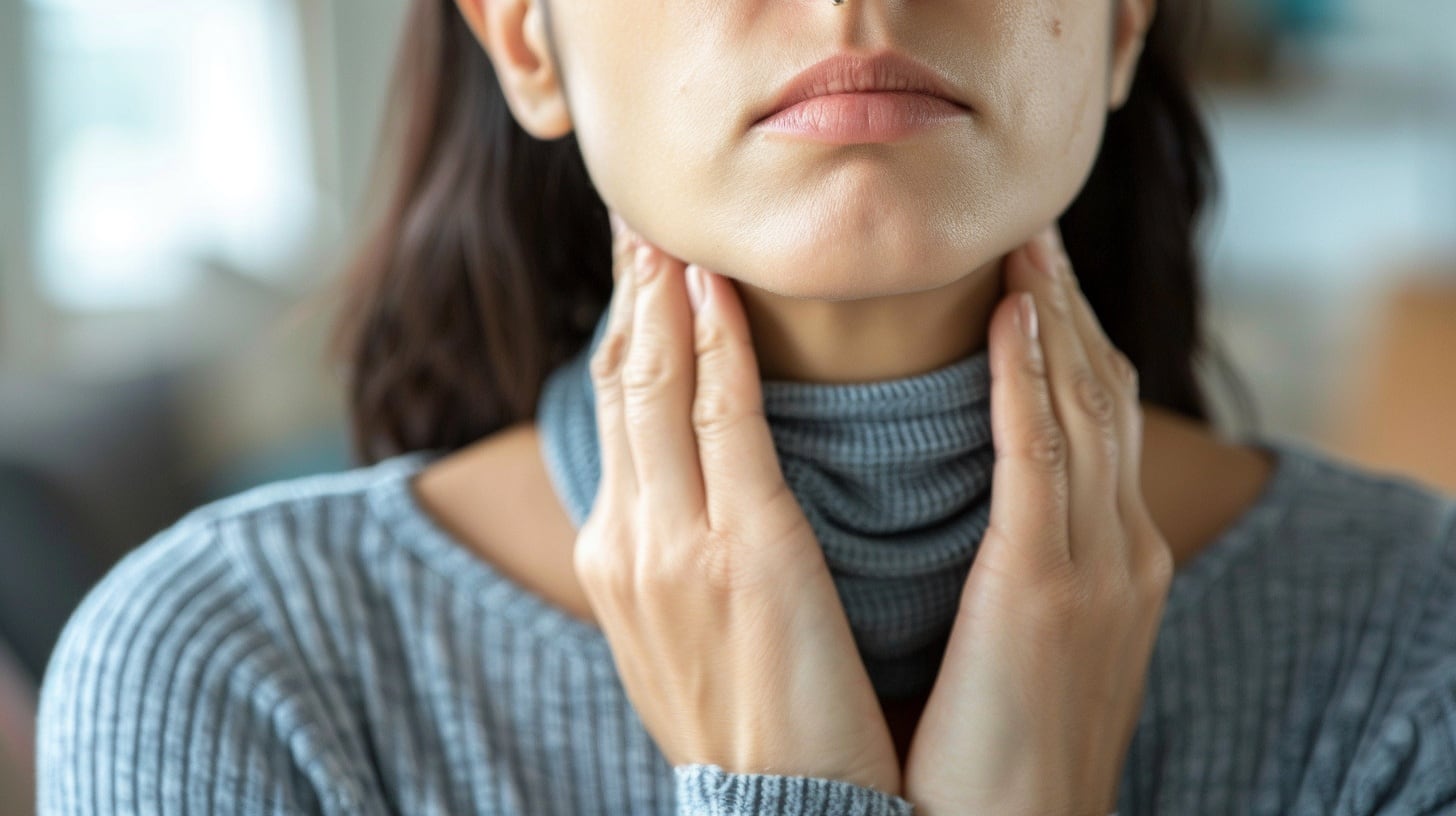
x: 320, y: 645
x: 894, y: 477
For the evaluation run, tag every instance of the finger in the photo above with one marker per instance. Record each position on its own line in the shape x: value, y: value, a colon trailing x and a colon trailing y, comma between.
x: 619, y: 478
x: 657, y: 390
x: 1122, y: 378
x: 1030, y: 502
x: 739, y: 463
x: 1083, y: 402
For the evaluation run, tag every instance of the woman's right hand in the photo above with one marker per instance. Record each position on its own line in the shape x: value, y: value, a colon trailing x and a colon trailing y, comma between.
x: 699, y: 564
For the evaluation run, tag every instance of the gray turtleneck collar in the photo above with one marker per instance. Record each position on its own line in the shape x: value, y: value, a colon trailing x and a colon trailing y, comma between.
x: 893, y: 475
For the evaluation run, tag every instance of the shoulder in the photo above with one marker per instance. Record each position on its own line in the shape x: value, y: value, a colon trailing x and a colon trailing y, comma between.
x: 1339, y: 565
x: 187, y: 654
x: 241, y: 558
x: 1345, y: 524
x: 1332, y: 528
x: 1377, y: 549
x: 1343, y: 513
x: 305, y: 509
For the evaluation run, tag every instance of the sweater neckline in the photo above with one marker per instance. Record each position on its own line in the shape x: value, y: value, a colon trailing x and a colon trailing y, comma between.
x: 392, y: 501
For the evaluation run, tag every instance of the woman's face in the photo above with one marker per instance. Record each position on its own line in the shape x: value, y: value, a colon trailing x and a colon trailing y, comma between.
x: 662, y: 98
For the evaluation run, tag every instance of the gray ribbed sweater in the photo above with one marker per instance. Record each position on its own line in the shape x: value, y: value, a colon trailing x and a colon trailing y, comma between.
x: 894, y: 477
x: 320, y: 645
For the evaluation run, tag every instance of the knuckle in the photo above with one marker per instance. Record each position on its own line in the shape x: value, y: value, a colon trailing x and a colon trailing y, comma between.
x: 1121, y: 366
x: 1153, y: 568
x: 720, y: 349
x: 658, y: 575
x: 599, y: 562
x: 713, y: 337
x: 646, y: 373
x: 1057, y: 599
x: 655, y: 569
x: 1047, y: 446
x: 589, y: 564
x: 607, y: 359
x: 1114, y: 585
x: 718, y: 562
x: 583, y: 557
x: 1092, y: 396
x: 1059, y: 298
x: 716, y: 410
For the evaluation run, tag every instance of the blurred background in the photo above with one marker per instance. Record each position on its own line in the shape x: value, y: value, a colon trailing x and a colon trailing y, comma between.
x: 178, y: 180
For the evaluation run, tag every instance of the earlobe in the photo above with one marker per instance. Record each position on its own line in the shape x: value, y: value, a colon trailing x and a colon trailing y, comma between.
x: 513, y: 34
x: 1130, y: 27
x: 1123, y: 74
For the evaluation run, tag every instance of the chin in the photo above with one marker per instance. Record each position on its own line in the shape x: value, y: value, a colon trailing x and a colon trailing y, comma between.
x: 837, y: 276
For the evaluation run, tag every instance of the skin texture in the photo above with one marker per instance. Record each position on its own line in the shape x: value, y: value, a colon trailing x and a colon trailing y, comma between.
x: 692, y: 496
x: 1044, y: 673
x: 854, y: 262
x: 1038, y: 694
x: 1195, y: 486
x: 843, y: 264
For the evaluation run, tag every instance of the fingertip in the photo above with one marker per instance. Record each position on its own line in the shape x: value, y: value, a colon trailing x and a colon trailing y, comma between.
x: 698, y: 287
x: 644, y: 263
x: 1002, y: 336
x: 723, y: 302
x: 1028, y: 321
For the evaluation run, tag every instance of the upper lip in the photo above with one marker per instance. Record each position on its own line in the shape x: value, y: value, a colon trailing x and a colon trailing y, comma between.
x: 850, y: 73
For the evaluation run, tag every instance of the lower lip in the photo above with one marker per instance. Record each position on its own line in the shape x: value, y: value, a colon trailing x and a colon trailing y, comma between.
x: 856, y: 118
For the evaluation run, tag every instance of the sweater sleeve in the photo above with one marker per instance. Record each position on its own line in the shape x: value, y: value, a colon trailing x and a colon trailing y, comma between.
x: 165, y: 694
x: 709, y: 790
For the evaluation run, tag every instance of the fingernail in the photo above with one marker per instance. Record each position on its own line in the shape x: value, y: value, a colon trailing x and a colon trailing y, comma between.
x: 1028, y: 316
x: 697, y: 287
x: 644, y: 263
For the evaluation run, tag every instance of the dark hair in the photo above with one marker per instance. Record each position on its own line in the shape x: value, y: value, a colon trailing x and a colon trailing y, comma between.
x: 490, y: 261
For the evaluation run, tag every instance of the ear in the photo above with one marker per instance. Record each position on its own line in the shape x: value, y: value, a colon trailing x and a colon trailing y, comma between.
x: 1131, y: 20
x: 514, y: 35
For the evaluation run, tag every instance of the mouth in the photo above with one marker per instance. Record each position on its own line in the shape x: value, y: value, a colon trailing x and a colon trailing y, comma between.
x: 849, y: 85
x: 862, y: 117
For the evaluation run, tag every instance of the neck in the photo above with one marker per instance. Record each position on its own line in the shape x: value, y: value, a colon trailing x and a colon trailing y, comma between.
x: 880, y: 338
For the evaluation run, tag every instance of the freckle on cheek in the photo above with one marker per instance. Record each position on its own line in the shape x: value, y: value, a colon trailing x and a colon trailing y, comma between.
x: 1056, y: 28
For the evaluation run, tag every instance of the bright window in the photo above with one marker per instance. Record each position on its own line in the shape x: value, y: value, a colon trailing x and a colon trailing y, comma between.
x: 170, y: 136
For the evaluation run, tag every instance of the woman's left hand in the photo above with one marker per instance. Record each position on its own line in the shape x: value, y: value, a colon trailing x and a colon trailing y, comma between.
x: 1044, y: 674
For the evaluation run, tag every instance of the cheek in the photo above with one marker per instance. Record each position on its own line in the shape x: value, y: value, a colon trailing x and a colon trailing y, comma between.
x: 623, y: 123
x: 655, y: 133
x: 648, y: 120
x: 651, y: 157
x: 1054, y: 123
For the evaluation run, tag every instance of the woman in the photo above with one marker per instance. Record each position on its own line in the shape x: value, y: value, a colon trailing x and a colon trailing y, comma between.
x: 571, y: 578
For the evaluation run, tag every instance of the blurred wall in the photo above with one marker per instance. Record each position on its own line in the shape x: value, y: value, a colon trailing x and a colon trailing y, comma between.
x: 115, y: 421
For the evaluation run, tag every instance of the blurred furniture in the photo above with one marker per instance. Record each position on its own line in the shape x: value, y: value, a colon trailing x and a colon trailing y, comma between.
x: 1397, y: 408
